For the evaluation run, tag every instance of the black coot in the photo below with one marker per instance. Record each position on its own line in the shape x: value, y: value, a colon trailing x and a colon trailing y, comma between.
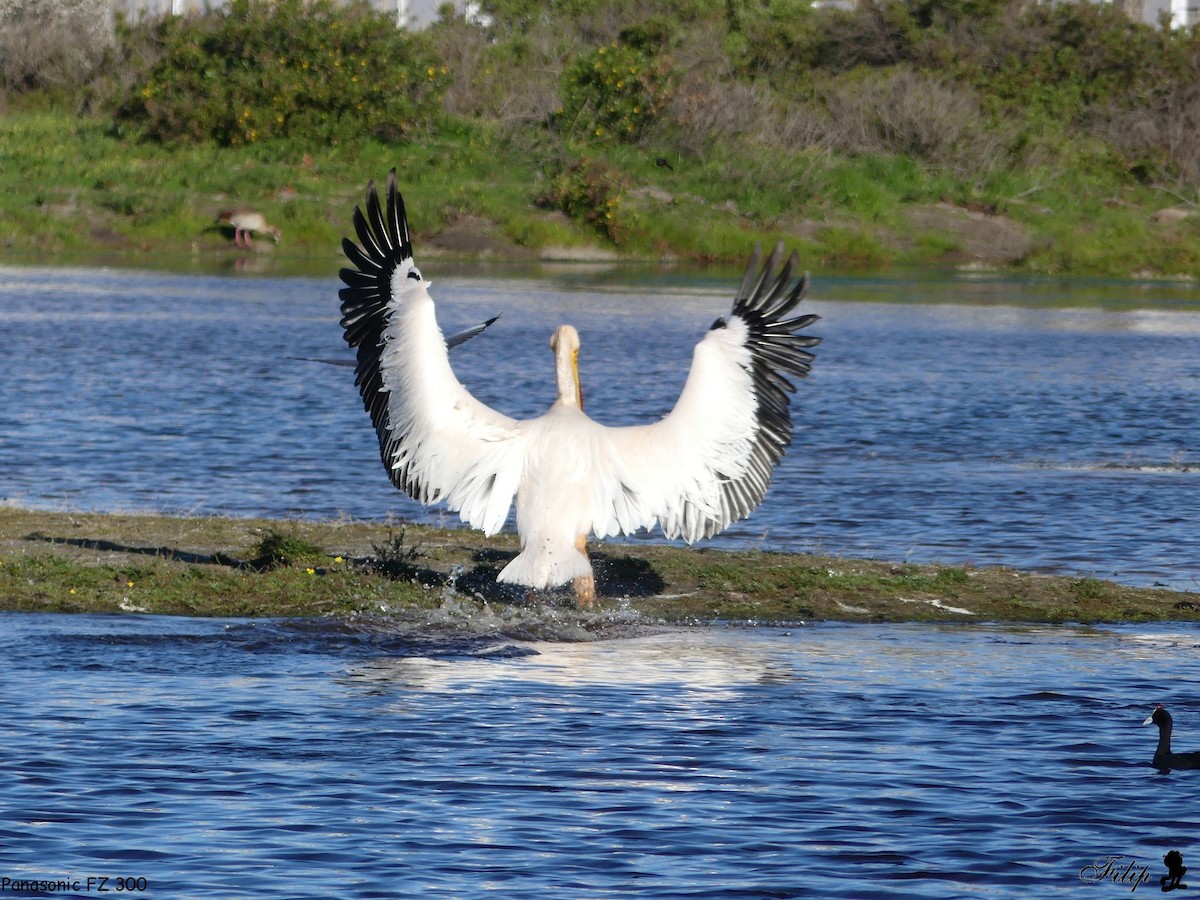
x: 1163, y: 757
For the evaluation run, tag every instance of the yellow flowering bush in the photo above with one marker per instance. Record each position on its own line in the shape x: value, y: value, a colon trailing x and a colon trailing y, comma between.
x: 264, y: 69
x: 613, y: 93
x: 588, y: 190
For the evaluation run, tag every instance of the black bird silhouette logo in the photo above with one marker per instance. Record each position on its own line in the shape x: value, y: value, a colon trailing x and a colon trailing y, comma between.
x: 1173, y: 880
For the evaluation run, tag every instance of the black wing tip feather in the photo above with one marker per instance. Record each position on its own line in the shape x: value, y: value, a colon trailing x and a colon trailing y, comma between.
x: 384, y: 244
x: 769, y: 293
x: 397, y: 220
x: 382, y: 228
x: 765, y: 285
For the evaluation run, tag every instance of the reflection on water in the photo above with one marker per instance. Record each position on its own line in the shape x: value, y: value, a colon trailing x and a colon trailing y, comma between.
x: 688, y: 660
x: 1002, y: 423
x: 373, y: 758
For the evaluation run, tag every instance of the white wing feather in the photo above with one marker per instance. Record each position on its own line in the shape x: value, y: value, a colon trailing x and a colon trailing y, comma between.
x: 709, y: 461
x: 437, y: 441
x: 458, y: 450
x: 670, y: 473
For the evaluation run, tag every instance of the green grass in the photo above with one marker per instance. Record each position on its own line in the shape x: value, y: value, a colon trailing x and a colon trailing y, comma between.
x: 73, y: 184
x: 73, y: 562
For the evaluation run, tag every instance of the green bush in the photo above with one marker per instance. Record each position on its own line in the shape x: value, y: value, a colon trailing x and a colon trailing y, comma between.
x: 785, y: 40
x: 613, y: 93
x: 311, y: 71
x: 1063, y: 58
x: 588, y: 190
x: 279, y: 549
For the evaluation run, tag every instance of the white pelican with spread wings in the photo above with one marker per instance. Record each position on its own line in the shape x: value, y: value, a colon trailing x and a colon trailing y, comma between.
x: 703, y: 466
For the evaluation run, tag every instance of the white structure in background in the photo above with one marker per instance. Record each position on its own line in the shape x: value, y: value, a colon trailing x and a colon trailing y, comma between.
x: 1184, y: 13
x: 421, y: 13
x: 408, y: 13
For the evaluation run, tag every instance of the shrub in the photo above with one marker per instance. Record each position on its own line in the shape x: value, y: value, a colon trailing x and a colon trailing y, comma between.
x: 894, y: 111
x: 395, y: 558
x: 53, y: 43
x: 512, y: 82
x: 1156, y: 142
x: 278, y: 549
x: 1062, y: 57
x: 787, y: 39
x: 613, y: 92
x: 705, y: 111
x: 1079, y: 70
x: 906, y: 112
x: 312, y: 71
x: 588, y: 190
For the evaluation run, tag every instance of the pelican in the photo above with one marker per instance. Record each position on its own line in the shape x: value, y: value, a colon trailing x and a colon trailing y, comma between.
x: 245, y: 221
x: 703, y: 466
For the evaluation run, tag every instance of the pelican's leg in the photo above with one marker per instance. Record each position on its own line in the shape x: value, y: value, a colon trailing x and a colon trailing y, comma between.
x: 585, y: 585
x: 585, y: 591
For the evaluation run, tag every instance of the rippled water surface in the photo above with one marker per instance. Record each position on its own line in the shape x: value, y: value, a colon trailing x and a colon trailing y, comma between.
x: 280, y: 759
x: 511, y: 754
x: 984, y: 420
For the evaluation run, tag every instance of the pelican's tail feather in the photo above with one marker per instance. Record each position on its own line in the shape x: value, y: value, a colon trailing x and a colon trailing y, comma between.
x: 545, y: 567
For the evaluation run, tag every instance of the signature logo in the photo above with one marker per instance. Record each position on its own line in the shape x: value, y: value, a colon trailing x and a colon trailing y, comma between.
x: 1129, y: 872
x: 1173, y: 880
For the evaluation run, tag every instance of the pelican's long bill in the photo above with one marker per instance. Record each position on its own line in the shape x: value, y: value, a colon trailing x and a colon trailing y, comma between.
x: 700, y: 468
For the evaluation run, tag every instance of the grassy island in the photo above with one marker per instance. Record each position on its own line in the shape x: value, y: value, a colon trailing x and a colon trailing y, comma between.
x: 207, y: 566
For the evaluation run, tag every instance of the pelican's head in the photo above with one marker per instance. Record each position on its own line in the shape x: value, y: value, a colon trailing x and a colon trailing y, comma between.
x: 565, y: 344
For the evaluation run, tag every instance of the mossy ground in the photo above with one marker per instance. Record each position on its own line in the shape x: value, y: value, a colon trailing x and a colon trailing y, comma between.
x: 207, y: 566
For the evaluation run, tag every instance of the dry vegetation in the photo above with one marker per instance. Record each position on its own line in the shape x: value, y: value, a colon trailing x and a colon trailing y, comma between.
x: 62, y: 44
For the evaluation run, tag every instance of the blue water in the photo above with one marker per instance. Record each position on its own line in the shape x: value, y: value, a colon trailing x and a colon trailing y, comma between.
x: 983, y: 420
x: 540, y: 752
x: 286, y: 759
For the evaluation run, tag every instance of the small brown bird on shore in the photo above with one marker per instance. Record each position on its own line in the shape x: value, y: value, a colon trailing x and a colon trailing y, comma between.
x: 245, y: 222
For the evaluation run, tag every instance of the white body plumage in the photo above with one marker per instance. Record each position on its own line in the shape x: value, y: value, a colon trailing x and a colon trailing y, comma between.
x: 704, y: 465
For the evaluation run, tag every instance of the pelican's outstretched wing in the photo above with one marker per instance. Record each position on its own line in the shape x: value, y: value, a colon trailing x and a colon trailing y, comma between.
x: 437, y: 441
x: 707, y: 463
